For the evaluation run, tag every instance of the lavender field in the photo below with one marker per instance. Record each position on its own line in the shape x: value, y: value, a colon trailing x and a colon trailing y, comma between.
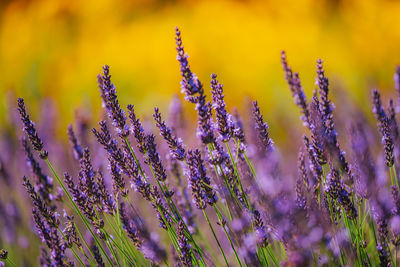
x: 167, y: 190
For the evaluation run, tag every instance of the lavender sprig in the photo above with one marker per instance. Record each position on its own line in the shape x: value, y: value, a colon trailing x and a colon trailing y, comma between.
x: 110, y: 101
x: 190, y: 84
x: 30, y: 130
x: 262, y: 128
x: 176, y: 146
x: 225, y: 125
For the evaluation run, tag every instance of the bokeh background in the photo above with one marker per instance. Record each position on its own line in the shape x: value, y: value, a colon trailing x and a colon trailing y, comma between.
x: 53, y: 49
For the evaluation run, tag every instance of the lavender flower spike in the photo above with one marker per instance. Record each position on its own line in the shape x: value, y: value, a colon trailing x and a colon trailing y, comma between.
x: 185, y: 248
x: 29, y: 128
x: 262, y: 128
x: 77, y: 148
x: 205, y: 129
x: 110, y: 101
x: 154, y: 159
x: 175, y: 145
x: 195, y: 181
x: 190, y: 84
x: 378, y: 109
x: 224, y: 119
x: 202, y: 191
x: 137, y: 129
x: 388, y: 143
x: 299, y: 96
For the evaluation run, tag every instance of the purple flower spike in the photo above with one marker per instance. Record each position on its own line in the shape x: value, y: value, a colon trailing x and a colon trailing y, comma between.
x: 176, y: 147
x: 190, y: 83
x: 110, y: 101
x: 262, y: 128
x: 224, y: 119
x: 30, y: 130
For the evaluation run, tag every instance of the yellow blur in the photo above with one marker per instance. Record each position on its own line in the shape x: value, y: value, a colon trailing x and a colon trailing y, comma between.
x: 55, y: 48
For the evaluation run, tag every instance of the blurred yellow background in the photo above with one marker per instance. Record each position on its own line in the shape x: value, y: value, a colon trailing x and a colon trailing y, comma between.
x: 55, y: 48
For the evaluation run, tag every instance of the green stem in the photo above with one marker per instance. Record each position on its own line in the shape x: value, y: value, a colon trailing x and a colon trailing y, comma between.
x: 239, y: 183
x: 272, y: 256
x: 226, y: 233
x: 11, y: 262
x: 215, y: 237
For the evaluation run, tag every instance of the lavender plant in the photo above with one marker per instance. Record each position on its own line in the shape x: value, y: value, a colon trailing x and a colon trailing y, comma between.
x: 135, y: 196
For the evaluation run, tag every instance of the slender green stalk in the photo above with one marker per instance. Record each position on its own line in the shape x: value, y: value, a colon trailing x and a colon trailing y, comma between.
x: 272, y: 256
x: 123, y: 241
x: 11, y: 262
x: 393, y: 176
x: 237, y: 180
x: 226, y: 233
x: 215, y: 237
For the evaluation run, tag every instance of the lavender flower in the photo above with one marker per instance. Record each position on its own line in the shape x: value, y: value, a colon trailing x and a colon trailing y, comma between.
x: 205, y: 129
x: 184, y: 246
x: 383, y: 246
x: 325, y: 105
x: 137, y: 129
x: 293, y: 80
x: 337, y: 191
x: 76, y: 147
x: 314, y: 164
x: 29, y: 128
x: 262, y: 128
x: 110, y: 145
x: 118, y: 180
x: 97, y: 256
x: 224, y: 119
x: 261, y: 231
x: 83, y: 202
x: 194, y: 93
x: 377, y: 106
x: 387, y: 142
x: 110, y: 101
x: 70, y: 233
x: 238, y: 132
x: 87, y: 178
x: 40, y: 205
x: 190, y: 84
x: 154, y: 160
x: 195, y: 181
x: 44, y: 183
x: 49, y: 235
x: 129, y: 226
x: 176, y: 146
x: 301, y: 183
x: 106, y: 202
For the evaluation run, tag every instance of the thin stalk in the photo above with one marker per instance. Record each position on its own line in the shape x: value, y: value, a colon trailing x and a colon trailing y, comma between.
x: 393, y: 176
x: 272, y: 256
x: 210, y: 149
x: 121, y: 236
x: 239, y: 183
x: 215, y: 237
x: 111, y: 249
x: 11, y: 262
x: 227, y: 234
x: 117, y: 246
